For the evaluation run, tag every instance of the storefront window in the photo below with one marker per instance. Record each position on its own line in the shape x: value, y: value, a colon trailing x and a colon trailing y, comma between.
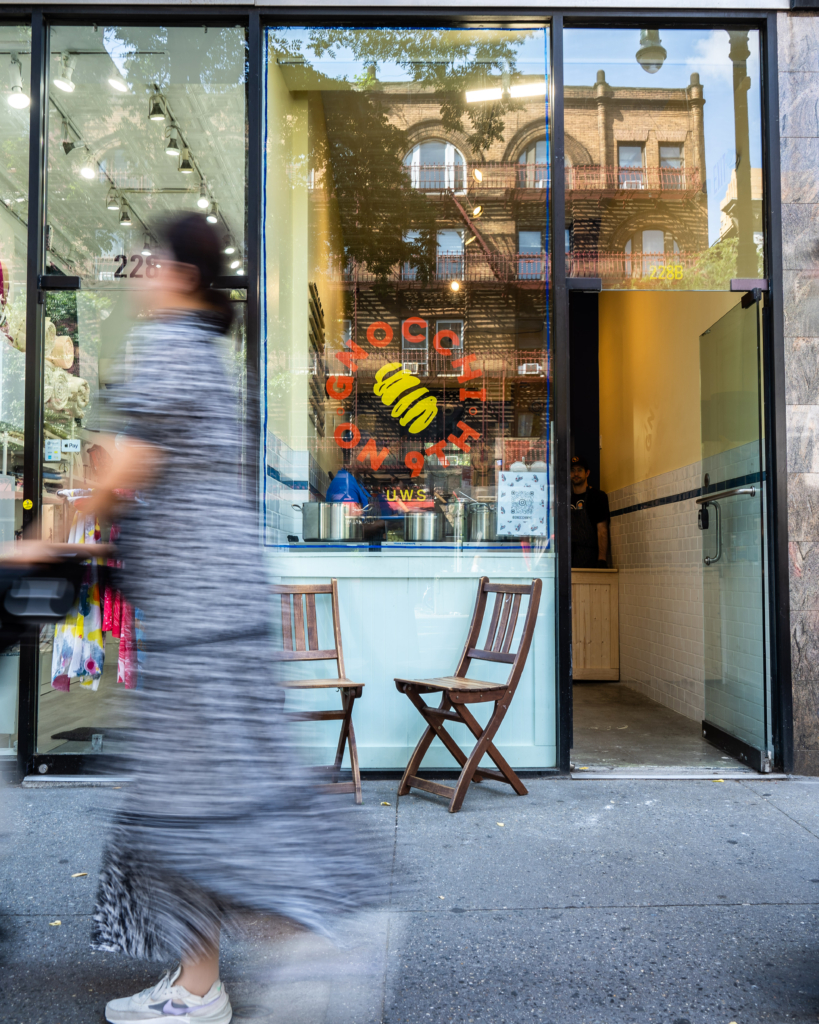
x: 15, y: 61
x: 407, y: 353
x: 143, y: 122
x: 663, y: 132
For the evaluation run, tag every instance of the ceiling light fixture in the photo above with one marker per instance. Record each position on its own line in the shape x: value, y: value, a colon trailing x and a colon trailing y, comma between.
x: 156, y: 106
x: 116, y: 81
x: 203, y: 202
x: 125, y: 217
x: 477, y: 175
x: 470, y: 240
x: 185, y: 162
x: 64, y: 80
x: 455, y: 286
x: 213, y: 213
x: 652, y: 53
x: 235, y: 264
x: 68, y: 143
x: 112, y: 202
x: 477, y: 211
x: 229, y: 248
x: 172, y: 145
x: 17, y: 98
x: 528, y: 89
x: 146, y: 244
x: 484, y: 95
x: 89, y: 168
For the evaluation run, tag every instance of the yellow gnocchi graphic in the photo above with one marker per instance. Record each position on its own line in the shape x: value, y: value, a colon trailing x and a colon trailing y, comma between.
x: 413, y: 406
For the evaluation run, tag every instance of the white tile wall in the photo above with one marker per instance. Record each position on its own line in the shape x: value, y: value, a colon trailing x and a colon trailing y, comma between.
x: 659, y: 554
x: 690, y: 632
x: 292, y: 477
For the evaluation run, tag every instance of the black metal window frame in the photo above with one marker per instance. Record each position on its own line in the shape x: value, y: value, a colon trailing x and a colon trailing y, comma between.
x: 553, y: 20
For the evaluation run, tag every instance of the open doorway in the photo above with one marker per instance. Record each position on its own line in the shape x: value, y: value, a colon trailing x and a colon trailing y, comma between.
x: 670, y: 639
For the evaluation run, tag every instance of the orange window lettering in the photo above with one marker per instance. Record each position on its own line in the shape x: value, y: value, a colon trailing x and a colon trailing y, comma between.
x: 467, y: 434
x: 373, y: 329
x: 339, y: 387
x: 468, y: 372
x: 370, y: 451
x: 347, y: 428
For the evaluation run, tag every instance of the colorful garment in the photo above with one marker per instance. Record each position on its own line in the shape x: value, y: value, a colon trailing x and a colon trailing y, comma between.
x: 79, y: 651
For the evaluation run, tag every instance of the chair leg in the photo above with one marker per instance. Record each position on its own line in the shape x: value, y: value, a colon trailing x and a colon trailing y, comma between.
x: 503, y: 767
x: 485, y: 738
x: 354, y: 758
x: 418, y: 754
x: 347, y: 707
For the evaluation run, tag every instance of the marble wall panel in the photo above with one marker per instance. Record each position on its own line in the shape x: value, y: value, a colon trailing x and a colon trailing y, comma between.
x: 799, y: 163
x: 798, y: 36
x: 802, y: 370
x: 798, y: 43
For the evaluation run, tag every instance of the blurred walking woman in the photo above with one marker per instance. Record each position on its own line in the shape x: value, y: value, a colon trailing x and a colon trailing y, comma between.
x: 218, y: 820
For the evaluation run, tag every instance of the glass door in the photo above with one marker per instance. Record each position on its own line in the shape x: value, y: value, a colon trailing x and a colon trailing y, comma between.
x: 144, y: 123
x: 734, y: 550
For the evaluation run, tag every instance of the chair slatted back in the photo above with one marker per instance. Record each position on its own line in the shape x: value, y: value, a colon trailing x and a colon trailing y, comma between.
x: 502, y: 625
x: 299, y: 625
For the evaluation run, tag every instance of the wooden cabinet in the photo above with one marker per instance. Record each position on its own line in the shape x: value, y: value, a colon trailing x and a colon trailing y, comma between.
x: 595, y: 624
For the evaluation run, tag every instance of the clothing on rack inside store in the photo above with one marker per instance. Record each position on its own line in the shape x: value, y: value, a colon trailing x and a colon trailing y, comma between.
x: 79, y: 650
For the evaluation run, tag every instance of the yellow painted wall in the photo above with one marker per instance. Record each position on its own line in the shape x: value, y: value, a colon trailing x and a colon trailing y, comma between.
x: 303, y: 244
x: 650, y: 380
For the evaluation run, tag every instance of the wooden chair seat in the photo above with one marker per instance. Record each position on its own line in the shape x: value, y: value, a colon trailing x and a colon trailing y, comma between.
x: 457, y: 691
x: 450, y: 683
x: 298, y: 605
x: 322, y: 684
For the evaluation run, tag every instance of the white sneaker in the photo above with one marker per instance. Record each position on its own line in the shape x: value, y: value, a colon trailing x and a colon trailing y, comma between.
x: 170, y: 1002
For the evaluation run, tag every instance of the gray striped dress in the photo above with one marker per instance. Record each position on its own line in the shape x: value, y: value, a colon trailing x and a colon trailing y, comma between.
x: 219, y: 819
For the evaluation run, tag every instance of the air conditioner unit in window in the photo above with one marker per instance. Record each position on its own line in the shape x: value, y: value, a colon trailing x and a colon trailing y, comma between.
x: 632, y: 184
x: 419, y: 369
x: 525, y: 369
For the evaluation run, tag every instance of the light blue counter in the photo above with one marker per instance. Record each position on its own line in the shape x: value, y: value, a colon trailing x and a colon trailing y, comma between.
x: 405, y: 612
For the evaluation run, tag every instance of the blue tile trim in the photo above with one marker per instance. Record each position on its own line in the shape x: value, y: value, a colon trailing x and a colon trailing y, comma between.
x: 724, y: 485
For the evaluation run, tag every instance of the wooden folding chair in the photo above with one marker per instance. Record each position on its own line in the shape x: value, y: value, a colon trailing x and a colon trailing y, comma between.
x: 458, y: 691
x: 300, y: 644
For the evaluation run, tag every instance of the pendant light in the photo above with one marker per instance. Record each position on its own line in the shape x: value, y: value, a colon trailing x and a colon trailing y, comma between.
x: 112, y: 202
x: 116, y: 81
x: 125, y: 217
x: 68, y: 143
x: 64, y: 80
x: 156, y: 106
x: 235, y: 264
x: 146, y: 244
x: 17, y: 98
x: 213, y: 213
x: 203, y: 202
x: 172, y: 145
x: 89, y: 168
x: 185, y: 162
x: 229, y: 247
x: 652, y: 53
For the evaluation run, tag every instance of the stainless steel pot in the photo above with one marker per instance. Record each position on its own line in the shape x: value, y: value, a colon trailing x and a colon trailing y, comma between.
x: 331, y: 520
x: 422, y: 526
x: 483, y: 521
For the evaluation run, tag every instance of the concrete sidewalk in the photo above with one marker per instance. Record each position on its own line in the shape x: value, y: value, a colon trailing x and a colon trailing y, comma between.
x: 587, y: 902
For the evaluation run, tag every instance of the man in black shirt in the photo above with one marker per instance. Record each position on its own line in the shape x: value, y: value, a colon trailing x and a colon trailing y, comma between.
x: 590, y: 520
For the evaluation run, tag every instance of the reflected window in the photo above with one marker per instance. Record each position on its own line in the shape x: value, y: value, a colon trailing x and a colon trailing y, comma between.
x: 534, y: 165
x: 436, y: 165
x: 530, y: 255
x: 630, y: 163
x: 450, y: 255
x: 671, y: 165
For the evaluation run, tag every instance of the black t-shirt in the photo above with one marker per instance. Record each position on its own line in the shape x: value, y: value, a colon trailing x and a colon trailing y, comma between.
x: 595, y: 503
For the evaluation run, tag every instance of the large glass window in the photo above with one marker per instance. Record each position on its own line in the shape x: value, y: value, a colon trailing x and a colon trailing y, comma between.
x: 406, y: 208
x: 663, y: 129
x: 143, y: 122
x: 15, y: 75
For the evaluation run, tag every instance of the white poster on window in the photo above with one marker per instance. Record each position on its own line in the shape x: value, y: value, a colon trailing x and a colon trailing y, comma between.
x: 522, y: 501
